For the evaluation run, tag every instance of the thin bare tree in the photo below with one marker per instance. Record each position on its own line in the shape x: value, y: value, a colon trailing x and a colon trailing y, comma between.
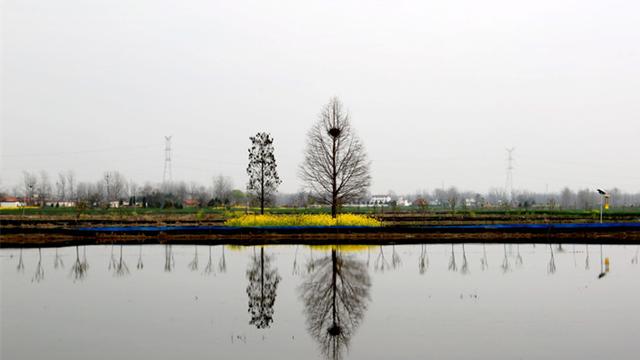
x: 335, y: 168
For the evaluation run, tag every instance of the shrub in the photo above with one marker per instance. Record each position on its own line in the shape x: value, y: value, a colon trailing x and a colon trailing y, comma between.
x: 302, y: 220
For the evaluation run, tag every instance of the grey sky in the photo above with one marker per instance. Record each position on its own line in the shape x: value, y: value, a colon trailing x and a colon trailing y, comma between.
x: 436, y: 89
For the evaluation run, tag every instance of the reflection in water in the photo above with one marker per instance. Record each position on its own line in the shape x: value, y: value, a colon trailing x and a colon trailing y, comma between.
x: 464, y: 269
x: 335, y: 299
x: 79, y: 268
x: 169, y: 261
x: 381, y: 263
x: 263, y: 284
x: 20, y: 266
x: 193, y: 265
x: 208, y: 270
x: 603, y: 271
x: 311, y: 263
x: 586, y: 260
x: 452, y: 261
x: 506, y: 265
x: 395, y: 258
x: 112, y: 260
x: 39, y: 274
x: 57, y: 261
x: 121, y: 268
x: 140, y: 265
x: 222, y: 264
x: 634, y: 260
x: 551, y: 267
x: 296, y: 266
x: 484, y: 263
x: 519, y: 261
x: 423, y: 260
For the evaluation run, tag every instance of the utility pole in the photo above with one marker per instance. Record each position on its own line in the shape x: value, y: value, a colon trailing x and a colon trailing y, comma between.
x: 167, y: 174
x: 508, y: 188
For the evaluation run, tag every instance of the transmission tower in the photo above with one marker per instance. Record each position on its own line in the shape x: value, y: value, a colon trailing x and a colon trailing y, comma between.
x: 508, y: 188
x: 167, y: 175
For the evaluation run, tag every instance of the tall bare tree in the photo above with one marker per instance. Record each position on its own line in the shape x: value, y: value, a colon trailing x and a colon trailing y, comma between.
x: 44, y: 188
x: 30, y: 183
x: 335, y: 167
x: 222, y: 187
x: 61, y: 187
x: 71, y: 185
x: 263, y: 176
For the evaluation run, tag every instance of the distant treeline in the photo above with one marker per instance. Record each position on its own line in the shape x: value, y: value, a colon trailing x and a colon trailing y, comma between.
x: 114, y: 190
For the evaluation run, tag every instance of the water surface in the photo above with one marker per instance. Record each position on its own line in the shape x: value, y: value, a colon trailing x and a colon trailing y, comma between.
x: 277, y: 302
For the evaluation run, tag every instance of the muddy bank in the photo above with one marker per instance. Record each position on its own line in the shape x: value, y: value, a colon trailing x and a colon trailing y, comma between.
x: 618, y: 233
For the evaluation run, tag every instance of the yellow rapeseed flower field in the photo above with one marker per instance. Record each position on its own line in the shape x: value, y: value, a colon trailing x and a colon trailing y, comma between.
x: 302, y: 220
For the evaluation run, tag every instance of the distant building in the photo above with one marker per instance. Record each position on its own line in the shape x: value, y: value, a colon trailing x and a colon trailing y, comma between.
x: 377, y: 200
x: 10, y: 202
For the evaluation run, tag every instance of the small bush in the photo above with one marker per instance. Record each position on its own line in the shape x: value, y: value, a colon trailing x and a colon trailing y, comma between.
x: 302, y: 220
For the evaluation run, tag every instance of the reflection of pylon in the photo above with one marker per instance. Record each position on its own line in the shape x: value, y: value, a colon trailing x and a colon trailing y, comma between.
x: 508, y: 188
x: 167, y: 175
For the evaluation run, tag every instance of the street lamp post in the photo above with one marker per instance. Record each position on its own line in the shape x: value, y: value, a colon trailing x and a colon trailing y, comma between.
x: 603, y: 195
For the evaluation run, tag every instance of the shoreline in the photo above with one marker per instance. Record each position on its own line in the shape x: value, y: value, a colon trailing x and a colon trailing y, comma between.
x: 588, y: 233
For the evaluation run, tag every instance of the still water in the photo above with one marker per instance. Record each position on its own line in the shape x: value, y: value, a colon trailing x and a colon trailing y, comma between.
x: 469, y: 301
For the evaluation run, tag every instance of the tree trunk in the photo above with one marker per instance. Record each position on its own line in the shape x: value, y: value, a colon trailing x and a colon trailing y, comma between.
x: 334, y: 180
x: 262, y: 188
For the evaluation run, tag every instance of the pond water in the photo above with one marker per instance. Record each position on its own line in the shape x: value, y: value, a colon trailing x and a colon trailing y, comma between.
x: 469, y: 301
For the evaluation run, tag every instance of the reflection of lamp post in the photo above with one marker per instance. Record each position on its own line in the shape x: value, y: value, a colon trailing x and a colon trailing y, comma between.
x: 603, y: 196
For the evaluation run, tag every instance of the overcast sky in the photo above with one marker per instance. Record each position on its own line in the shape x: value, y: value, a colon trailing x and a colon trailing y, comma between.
x: 436, y: 89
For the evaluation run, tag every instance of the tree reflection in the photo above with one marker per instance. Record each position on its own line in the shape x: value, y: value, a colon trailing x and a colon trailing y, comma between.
x: 263, y: 284
x: 395, y: 258
x: 169, y: 261
x: 381, y: 263
x: 335, y: 298
x: 112, y: 260
x: 519, y: 260
x: 20, y: 266
x: 423, y: 260
x: 208, y: 270
x: 634, y: 260
x: 452, y: 261
x: 506, y: 266
x: 222, y: 264
x: 551, y: 267
x: 121, y: 268
x: 193, y: 265
x: 57, y: 261
x: 39, y: 274
x: 464, y: 269
x: 79, y: 268
x: 296, y: 267
x: 484, y: 263
x: 586, y: 260
x: 140, y: 265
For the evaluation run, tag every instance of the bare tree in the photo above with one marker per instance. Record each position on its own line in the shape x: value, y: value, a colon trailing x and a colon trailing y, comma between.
x: 263, y: 176
x: 453, y: 197
x: 222, y: 187
x: 30, y: 183
x: 61, y: 187
x: 335, y: 167
x: 44, y: 188
x: 71, y: 184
